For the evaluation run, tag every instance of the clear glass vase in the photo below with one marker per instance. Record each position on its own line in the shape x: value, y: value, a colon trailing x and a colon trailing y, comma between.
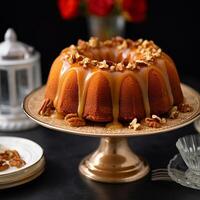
x: 106, y: 27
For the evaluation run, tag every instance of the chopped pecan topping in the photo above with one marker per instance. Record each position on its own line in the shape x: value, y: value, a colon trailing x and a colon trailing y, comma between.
x: 78, y: 57
x: 108, y: 43
x: 94, y: 62
x: 131, y: 66
x: 124, y: 45
x: 94, y: 42
x: 72, y: 55
x: 139, y: 41
x: 82, y: 45
x: 85, y: 62
x: 125, y: 61
x: 71, y: 58
x: 118, y: 39
x: 15, y: 162
x: 134, y: 125
x: 148, y: 51
x: 110, y: 62
x: 72, y: 47
x: 141, y: 63
x: 173, y: 113
x: 145, y: 52
x: 129, y: 42
x: 119, y: 67
x: 112, y: 68
x: 8, y: 154
x: 3, y: 166
x: 103, y: 65
x: 10, y: 158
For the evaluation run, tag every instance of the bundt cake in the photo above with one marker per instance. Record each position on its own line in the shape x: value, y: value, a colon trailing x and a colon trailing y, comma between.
x: 110, y: 81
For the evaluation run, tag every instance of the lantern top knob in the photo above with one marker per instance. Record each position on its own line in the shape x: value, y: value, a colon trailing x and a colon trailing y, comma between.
x: 12, y: 49
x: 10, y: 35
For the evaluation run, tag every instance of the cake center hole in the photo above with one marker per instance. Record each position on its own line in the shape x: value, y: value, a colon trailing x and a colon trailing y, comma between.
x: 110, y: 55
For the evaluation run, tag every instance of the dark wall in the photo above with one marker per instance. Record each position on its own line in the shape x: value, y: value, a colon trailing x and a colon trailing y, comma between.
x: 173, y: 25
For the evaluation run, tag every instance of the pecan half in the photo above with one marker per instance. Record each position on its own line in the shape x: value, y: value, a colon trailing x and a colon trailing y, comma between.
x: 46, y: 108
x: 155, y: 121
x: 152, y: 123
x: 69, y: 116
x: 74, y: 120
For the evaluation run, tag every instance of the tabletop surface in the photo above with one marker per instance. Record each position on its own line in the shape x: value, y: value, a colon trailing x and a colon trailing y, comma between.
x: 63, y: 152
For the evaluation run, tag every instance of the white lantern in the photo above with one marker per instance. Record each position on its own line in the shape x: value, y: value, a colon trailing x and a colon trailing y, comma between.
x: 19, y: 75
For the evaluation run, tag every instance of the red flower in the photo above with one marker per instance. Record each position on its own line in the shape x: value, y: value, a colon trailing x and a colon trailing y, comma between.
x: 100, y: 7
x: 135, y: 9
x: 68, y: 8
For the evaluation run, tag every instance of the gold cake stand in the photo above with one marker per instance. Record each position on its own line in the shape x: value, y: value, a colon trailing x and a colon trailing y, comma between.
x: 113, y: 161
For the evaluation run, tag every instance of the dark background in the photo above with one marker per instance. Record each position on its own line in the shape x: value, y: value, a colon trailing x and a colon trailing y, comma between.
x: 173, y: 25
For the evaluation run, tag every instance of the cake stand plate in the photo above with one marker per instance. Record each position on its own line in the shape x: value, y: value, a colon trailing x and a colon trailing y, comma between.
x: 113, y: 161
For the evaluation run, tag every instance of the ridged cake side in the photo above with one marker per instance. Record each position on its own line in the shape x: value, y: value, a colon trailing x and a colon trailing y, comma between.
x: 97, y: 91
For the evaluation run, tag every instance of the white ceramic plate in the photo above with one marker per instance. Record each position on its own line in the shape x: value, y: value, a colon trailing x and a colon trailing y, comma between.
x: 29, y: 151
x: 23, y: 181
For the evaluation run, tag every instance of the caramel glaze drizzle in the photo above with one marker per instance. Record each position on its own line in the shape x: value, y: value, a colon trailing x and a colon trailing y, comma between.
x: 115, y: 79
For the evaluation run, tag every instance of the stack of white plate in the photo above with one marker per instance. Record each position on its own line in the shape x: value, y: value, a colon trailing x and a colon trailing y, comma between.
x: 31, y: 153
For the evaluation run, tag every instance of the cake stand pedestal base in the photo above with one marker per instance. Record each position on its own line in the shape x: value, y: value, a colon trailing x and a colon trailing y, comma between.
x: 113, y: 162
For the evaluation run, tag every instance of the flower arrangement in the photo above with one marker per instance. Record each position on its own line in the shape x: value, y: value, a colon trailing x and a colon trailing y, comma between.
x: 132, y: 10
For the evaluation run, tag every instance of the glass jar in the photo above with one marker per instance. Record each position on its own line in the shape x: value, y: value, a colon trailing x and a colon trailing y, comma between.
x: 106, y: 27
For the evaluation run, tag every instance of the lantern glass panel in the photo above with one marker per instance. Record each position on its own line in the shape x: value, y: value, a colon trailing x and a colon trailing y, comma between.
x: 4, y: 95
x: 36, y: 75
x: 21, y: 84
